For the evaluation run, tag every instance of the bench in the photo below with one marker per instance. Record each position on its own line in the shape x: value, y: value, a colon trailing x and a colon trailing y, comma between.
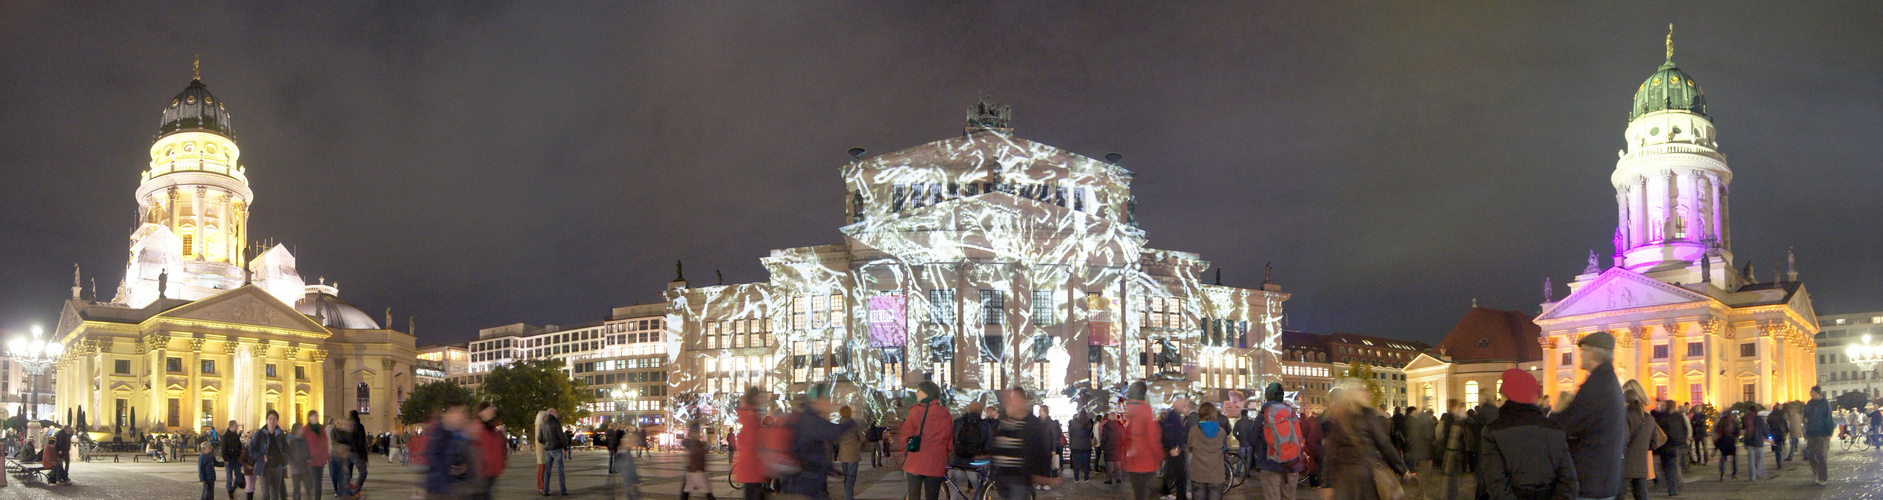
x: 26, y: 471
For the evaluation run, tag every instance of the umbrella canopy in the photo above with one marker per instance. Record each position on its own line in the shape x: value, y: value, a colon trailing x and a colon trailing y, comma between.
x: 133, y: 420
x: 81, y: 420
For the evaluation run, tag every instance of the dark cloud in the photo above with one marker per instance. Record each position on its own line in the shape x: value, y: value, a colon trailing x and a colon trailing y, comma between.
x: 476, y: 164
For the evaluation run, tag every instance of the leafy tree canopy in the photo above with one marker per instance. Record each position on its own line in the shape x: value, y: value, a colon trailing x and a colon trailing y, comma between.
x: 1364, y: 372
x: 430, y: 398
x: 521, y: 389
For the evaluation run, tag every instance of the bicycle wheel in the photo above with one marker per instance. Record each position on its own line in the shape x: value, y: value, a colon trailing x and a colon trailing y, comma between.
x: 986, y: 491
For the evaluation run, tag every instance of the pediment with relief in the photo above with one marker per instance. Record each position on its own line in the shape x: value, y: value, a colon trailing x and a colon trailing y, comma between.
x: 247, y: 305
x: 1619, y: 289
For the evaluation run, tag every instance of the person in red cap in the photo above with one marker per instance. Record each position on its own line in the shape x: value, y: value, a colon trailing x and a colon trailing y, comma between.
x: 1524, y: 454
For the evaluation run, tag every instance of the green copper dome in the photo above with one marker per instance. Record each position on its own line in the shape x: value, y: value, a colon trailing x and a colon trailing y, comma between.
x: 1669, y: 88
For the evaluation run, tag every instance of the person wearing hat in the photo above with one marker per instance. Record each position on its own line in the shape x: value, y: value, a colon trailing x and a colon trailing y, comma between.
x: 926, y: 441
x: 1595, y: 421
x: 1524, y: 454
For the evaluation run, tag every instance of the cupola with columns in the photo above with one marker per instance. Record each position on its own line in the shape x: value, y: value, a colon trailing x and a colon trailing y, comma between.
x: 1671, y: 183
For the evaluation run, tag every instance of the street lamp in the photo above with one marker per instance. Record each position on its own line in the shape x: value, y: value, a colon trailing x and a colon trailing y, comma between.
x: 35, y: 356
x: 1865, y: 356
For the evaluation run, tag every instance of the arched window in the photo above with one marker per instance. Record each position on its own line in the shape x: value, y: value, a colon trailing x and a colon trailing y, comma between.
x: 366, y: 399
x: 1471, y: 394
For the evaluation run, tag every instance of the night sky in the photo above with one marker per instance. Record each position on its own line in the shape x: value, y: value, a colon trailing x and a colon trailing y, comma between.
x: 478, y: 164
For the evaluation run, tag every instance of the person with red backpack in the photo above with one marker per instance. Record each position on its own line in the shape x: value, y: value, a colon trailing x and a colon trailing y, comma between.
x: 1278, y: 447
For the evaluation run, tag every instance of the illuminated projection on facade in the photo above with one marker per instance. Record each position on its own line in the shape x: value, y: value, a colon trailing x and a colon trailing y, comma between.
x: 978, y: 262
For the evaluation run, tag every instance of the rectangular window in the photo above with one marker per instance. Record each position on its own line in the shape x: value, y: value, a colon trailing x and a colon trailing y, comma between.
x: 896, y: 194
x: 270, y: 369
x: 300, y: 372
x: 1568, y: 359
x: 1696, y: 393
x: 1157, y: 313
x: 992, y: 307
x: 175, y: 417
x: 1696, y: 349
x: 992, y: 349
x: 173, y: 365
x: 941, y: 306
x: 209, y: 410
x: 1660, y: 392
x: 819, y: 315
x: 1748, y: 392
x: 1044, y: 308
x: 1748, y: 350
x: 121, y: 367
x: 1660, y: 352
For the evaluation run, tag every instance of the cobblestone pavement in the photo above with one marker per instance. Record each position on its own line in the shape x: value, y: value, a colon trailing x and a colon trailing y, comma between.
x: 1855, y: 476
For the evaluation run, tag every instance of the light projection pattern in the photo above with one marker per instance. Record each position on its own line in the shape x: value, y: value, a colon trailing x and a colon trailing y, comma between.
x: 979, y: 262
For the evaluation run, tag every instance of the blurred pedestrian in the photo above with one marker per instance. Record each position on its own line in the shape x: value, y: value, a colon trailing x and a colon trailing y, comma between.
x: 314, y: 436
x: 747, y: 468
x: 1780, y: 427
x: 1753, y: 433
x: 1643, y: 437
x: 492, y: 451
x: 1525, y: 454
x: 695, y: 481
x: 231, y: 444
x: 1360, y: 458
x: 812, y: 437
x: 850, y: 451
x: 542, y: 456
x: 1420, y: 430
x: 1726, y: 440
x: 1143, y: 442
x: 1057, y: 443
x: 1817, y: 429
x: 296, y: 463
x: 1451, y: 428
x: 1596, y: 420
x: 1020, y: 449
x: 449, y: 459
x: 1672, y: 454
x: 1176, y: 427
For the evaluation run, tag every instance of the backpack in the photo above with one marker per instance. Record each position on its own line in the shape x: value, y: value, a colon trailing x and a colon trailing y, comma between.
x: 970, y: 438
x: 875, y: 434
x: 1281, y: 431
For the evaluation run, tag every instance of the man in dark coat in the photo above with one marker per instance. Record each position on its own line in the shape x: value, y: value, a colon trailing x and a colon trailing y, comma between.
x: 1079, y: 439
x: 1818, y: 428
x: 1176, y: 432
x: 812, y: 437
x: 1596, y: 421
x: 1674, y: 424
x: 1246, y: 437
x: 1525, y: 455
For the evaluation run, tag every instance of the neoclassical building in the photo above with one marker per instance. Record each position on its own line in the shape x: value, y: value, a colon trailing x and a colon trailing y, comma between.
x: 1688, y: 324
x: 980, y: 261
x: 200, y: 331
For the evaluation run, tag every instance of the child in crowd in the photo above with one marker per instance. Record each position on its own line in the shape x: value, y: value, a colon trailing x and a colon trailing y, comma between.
x: 206, y: 465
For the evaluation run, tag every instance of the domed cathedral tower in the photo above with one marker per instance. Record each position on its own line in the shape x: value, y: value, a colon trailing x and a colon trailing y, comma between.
x: 1671, y: 183
x: 1686, y: 324
x: 193, y: 206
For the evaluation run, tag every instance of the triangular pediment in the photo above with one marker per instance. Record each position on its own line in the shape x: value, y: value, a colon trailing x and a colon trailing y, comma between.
x: 1620, y: 289
x: 999, y: 226
x: 1801, y: 302
x: 1423, y: 361
x: 248, y: 305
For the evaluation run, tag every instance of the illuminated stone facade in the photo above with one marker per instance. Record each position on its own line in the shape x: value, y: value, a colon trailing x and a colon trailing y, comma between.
x: 1687, y: 324
x: 978, y: 262
x: 190, y: 340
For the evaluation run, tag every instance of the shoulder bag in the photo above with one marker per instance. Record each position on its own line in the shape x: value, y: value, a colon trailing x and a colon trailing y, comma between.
x: 915, y: 442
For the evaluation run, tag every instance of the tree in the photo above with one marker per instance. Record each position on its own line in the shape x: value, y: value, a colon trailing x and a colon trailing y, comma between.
x: 430, y: 398
x: 521, y: 389
x: 1364, y: 372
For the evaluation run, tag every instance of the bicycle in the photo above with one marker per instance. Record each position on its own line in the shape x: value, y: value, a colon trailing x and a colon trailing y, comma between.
x: 983, y: 486
x: 1234, y: 468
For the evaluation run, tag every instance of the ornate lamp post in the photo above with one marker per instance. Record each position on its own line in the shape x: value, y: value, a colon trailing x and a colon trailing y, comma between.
x: 622, y: 397
x: 34, y: 356
x: 1865, y: 356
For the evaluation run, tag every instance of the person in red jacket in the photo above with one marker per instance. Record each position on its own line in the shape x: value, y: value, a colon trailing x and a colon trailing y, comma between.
x: 315, y: 436
x: 747, y: 468
x: 925, y: 467
x: 1144, y: 442
x: 492, y: 451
